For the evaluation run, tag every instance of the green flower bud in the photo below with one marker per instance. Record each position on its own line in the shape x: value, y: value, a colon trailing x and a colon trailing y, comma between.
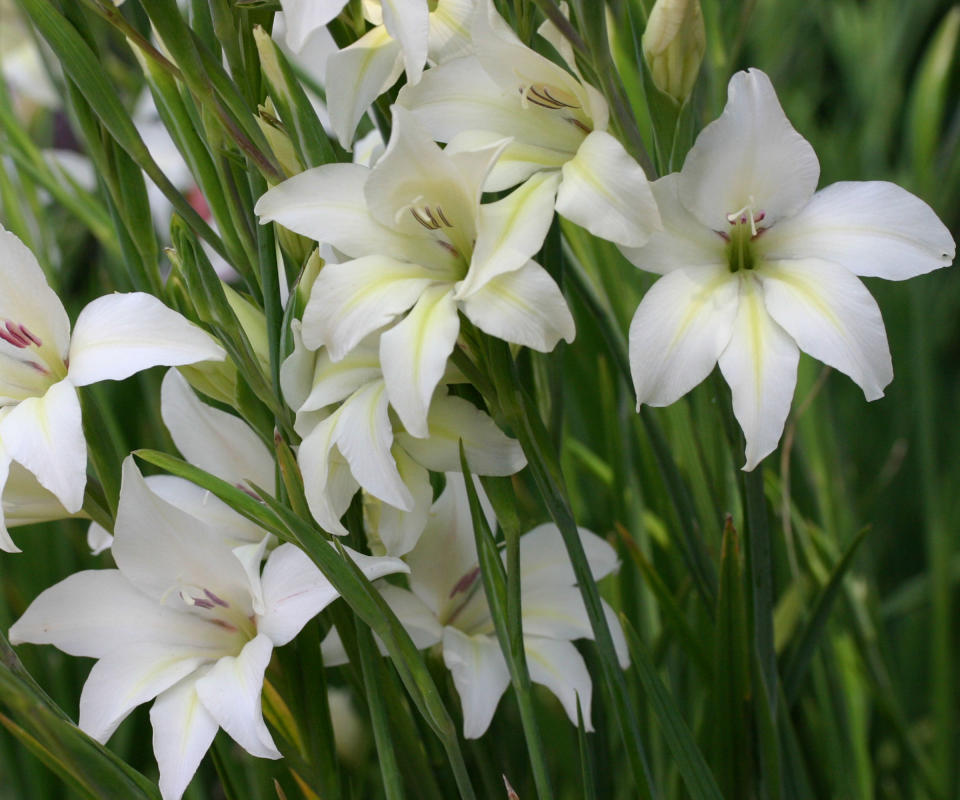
x: 673, y: 45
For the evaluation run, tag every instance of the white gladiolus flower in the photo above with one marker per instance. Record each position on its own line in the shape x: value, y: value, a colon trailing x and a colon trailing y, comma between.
x: 447, y: 606
x: 42, y: 363
x: 756, y: 267
x: 422, y: 248
x: 187, y: 619
x: 349, y: 441
x: 555, y: 121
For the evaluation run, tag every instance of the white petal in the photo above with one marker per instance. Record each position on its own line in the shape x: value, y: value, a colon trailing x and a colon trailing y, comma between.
x: 328, y: 488
x: 122, y: 680
x: 296, y: 371
x: 560, y: 667
x: 480, y: 675
x: 525, y: 307
x: 27, y: 299
x: 679, y: 330
x: 420, y: 622
x: 398, y: 531
x: 407, y: 21
x: 94, y: 612
x: 750, y: 156
x: 25, y: 501
x: 605, y: 191
x: 450, y: 29
x: 99, y: 539
x: 353, y: 299
x: 326, y: 204
x: 414, y: 354
x: 873, y: 228
x: 218, y: 442
x: 358, y: 75
x: 250, y: 557
x: 6, y: 543
x: 120, y: 334
x: 684, y: 240
x: 831, y: 315
x: 295, y: 590
x: 335, y: 381
x: 544, y: 561
x: 183, y: 731
x: 306, y: 16
x: 45, y: 434
x: 518, y: 160
x: 365, y: 435
x: 231, y: 691
x: 511, y: 231
x: 452, y: 419
x: 760, y: 364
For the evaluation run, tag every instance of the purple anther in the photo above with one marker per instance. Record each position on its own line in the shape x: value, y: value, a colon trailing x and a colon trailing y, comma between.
x: 11, y: 335
x: 26, y: 333
x: 201, y: 603
x: 215, y: 599
x: 465, y: 582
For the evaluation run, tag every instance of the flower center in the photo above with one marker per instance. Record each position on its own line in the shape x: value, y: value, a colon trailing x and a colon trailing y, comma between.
x: 741, y: 254
x: 27, y: 367
x: 553, y: 99
x: 217, y: 611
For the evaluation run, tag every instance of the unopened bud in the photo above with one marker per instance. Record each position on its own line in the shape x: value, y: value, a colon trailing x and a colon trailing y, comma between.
x: 673, y: 46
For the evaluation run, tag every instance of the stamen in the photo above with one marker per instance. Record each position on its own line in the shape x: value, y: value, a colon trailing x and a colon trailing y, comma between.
x: 431, y: 218
x: 465, y: 582
x: 213, y: 598
x: 543, y: 98
x: 745, y: 214
x: 430, y: 226
x: 11, y: 334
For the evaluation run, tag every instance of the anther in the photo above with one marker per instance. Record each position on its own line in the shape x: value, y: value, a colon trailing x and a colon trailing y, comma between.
x: 745, y: 215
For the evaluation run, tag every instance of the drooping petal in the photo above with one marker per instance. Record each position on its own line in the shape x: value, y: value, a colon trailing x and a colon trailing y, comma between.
x: 295, y: 590
x: 183, y: 731
x: 364, y: 436
x: 231, y: 691
x: 221, y: 443
x: 524, y: 306
x: 605, y: 191
x: 684, y: 240
x: 760, y: 365
x: 6, y: 543
x: 45, y: 434
x: 335, y: 381
x: 750, y: 156
x: 452, y: 419
x: 544, y: 561
x: 398, y: 531
x: 99, y: 539
x: 351, y: 300
x: 872, y: 228
x: 358, y: 75
x: 119, y: 334
x: 296, y: 371
x: 480, y: 675
x: 831, y: 315
x: 326, y: 204
x: 94, y: 612
x: 407, y: 21
x: 679, y: 330
x: 414, y: 353
x: 125, y: 678
x: 25, y: 501
x: 518, y: 160
x: 328, y: 487
x: 560, y: 667
x: 306, y: 16
x: 511, y: 231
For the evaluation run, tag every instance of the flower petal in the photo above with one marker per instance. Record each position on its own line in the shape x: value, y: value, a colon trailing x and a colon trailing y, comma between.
x: 679, y: 330
x: 760, y: 365
x: 605, y: 191
x: 396, y: 530
x: 480, y: 675
x: 684, y: 240
x: 414, y: 353
x: 231, y: 691
x: 831, y: 315
x: 450, y: 29
x: 45, y: 434
x: 335, y: 381
x: 452, y: 419
x: 183, y: 731
x: 511, y: 231
x: 122, y: 680
x: 408, y: 23
x: 750, y: 156
x: 25, y: 501
x: 544, y: 561
x: 306, y: 16
x: 351, y: 300
x: 357, y: 75
x: 6, y: 543
x: 221, y: 443
x: 328, y: 485
x: 518, y: 160
x: 872, y: 228
x: 560, y: 667
x: 524, y: 306
x: 120, y: 334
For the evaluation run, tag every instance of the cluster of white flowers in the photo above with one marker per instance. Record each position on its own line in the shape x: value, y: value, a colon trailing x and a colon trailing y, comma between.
x: 755, y: 267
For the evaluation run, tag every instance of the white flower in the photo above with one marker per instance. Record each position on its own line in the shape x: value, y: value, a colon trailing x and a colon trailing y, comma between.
x: 447, y: 605
x: 418, y: 239
x: 555, y: 121
x: 349, y: 441
x: 757, y: 267
x: 41, y: 364
x: 184, y: 620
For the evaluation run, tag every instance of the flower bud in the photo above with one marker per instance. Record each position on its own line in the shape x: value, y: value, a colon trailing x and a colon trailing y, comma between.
x: 673, y: 45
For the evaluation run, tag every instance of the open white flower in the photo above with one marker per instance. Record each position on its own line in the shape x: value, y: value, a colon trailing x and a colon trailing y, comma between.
x: 556, y: 123
x: 406, y: 34
x: 182, y: 620
x: 41, y: 364
x: 757, y: 267
x: 350, y: 442
x: 418, y: 239
x: 447, y: 606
